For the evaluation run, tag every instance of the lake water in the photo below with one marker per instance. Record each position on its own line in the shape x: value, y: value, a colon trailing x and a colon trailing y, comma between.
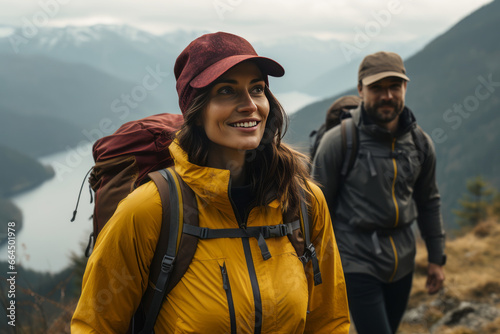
x: 294, y: 101
x: 47, y: 237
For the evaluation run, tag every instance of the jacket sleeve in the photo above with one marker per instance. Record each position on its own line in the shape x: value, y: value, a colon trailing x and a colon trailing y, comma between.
x: 117, y: 272
x: 328, y: 308
x: 327, y: 164
x: 427, y: 199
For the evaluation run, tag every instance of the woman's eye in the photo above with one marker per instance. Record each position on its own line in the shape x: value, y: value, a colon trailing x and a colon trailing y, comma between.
x: 258, y: 89
x: 225, y: 90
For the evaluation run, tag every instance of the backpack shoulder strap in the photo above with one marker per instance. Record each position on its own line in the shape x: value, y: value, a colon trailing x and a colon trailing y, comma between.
x: 179, y: 207
x: 420, y: 141
x: 301, y: 238
x: 186, y: 244
x: 350, y: 145
x: 310, y: 251
x: 314, y: 140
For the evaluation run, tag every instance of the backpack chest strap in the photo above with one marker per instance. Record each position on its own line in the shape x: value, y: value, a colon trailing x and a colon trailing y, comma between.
x: 398, y: 155
x: 258, y: 232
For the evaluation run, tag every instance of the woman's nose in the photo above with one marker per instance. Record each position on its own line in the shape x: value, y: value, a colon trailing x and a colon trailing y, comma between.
x: 246, y: 103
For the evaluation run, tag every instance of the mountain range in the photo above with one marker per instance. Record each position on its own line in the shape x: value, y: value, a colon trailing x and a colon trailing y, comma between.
x: 454, y: 91
x: 70, y: 81
x: 74, y: 94
x: 71, y: 85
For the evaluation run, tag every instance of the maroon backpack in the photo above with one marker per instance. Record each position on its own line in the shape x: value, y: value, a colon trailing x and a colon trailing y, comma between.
x: 131, y: 156
x: 124, y: 159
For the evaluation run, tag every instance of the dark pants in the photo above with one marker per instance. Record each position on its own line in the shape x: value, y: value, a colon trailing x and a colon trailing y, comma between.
x: 377, y: 307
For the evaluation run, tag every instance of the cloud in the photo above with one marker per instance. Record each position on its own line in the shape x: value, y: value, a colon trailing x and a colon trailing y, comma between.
x: 256, y: 19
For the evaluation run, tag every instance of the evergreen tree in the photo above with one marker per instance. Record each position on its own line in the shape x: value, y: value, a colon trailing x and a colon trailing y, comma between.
x: 474, y: 203
x: 496, y: 205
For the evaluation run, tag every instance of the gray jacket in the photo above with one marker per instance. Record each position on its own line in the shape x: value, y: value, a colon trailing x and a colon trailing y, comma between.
x: 391, y: 184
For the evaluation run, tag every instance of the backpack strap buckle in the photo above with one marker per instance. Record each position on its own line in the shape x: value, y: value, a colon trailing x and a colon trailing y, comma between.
x: 309, y: 253
x: 274, y: 231
x: 283, y: 230
x: 397, y: 154
x: 312, y: 250
x: 167, y: 263
x: 203, y: 232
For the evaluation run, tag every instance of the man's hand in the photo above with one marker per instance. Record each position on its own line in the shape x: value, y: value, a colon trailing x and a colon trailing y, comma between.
x: 435, y: 278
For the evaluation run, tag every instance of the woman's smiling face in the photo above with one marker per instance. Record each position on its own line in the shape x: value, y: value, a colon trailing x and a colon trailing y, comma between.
x: 235, y: 116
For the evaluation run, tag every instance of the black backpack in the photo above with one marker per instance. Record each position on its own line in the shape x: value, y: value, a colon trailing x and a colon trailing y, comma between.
x: 338, y: 110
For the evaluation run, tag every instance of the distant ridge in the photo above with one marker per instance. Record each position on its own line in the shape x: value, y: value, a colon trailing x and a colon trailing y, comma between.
x: 455, y: 94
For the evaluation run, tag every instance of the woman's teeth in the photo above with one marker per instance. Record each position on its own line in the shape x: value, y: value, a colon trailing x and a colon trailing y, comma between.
x: 244, y: 124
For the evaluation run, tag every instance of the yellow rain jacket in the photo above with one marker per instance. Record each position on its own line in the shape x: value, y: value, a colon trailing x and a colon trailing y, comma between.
x: 227, y: 282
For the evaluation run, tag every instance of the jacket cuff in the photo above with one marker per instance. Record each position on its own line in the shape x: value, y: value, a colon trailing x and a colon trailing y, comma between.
x: 435, y: 251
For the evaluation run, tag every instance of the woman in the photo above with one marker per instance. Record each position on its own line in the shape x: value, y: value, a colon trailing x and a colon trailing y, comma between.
x: 229, y: 152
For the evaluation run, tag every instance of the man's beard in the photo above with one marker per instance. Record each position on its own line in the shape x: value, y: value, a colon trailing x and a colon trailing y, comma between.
x: 385, y: 117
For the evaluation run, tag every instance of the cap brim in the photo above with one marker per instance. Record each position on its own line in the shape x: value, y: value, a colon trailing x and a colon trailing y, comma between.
x: 379, y: 76
x: 211, y: 73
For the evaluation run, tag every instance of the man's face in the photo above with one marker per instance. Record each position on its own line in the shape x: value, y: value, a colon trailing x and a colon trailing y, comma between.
x: 384, y: 100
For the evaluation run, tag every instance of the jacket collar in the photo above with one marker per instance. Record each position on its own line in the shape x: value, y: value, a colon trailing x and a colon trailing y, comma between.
x: 211, y: 185
x: 407, y: 122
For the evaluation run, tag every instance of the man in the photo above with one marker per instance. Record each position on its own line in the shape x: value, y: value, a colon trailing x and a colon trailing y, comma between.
x: 391, y: 183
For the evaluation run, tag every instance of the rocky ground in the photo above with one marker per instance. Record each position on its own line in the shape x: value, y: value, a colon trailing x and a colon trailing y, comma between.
x: 470, y: 301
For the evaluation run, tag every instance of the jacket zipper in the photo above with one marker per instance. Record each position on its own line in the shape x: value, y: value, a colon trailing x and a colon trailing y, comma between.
x: 397, y: 211
x: 395, y: 258
x: 394, y: 185
x: 229, y: 295
x: 255, y: 285
x: 250, y: 266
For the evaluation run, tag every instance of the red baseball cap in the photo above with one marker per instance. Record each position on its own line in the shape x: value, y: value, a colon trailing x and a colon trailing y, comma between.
x: 211, y: 55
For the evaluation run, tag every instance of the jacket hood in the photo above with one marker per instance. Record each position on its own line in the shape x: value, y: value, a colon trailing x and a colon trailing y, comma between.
x: 407, y: 122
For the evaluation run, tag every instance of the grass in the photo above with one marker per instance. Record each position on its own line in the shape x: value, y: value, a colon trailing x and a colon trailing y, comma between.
x: 472, y: 274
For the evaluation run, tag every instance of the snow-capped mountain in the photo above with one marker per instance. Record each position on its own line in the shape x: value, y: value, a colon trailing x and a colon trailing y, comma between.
x: 122, y: 51
x: 125, y: 52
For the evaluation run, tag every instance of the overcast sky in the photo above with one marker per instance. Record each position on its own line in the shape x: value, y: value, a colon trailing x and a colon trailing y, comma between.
x: 395, y: 20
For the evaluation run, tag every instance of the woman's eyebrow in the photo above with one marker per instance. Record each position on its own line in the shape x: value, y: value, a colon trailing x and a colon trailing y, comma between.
x: 228, y: 81
x: 232, y: 81
x: 257, y: 80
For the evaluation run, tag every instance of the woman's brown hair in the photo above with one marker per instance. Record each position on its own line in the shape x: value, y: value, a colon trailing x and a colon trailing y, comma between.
x: 275, y: 170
